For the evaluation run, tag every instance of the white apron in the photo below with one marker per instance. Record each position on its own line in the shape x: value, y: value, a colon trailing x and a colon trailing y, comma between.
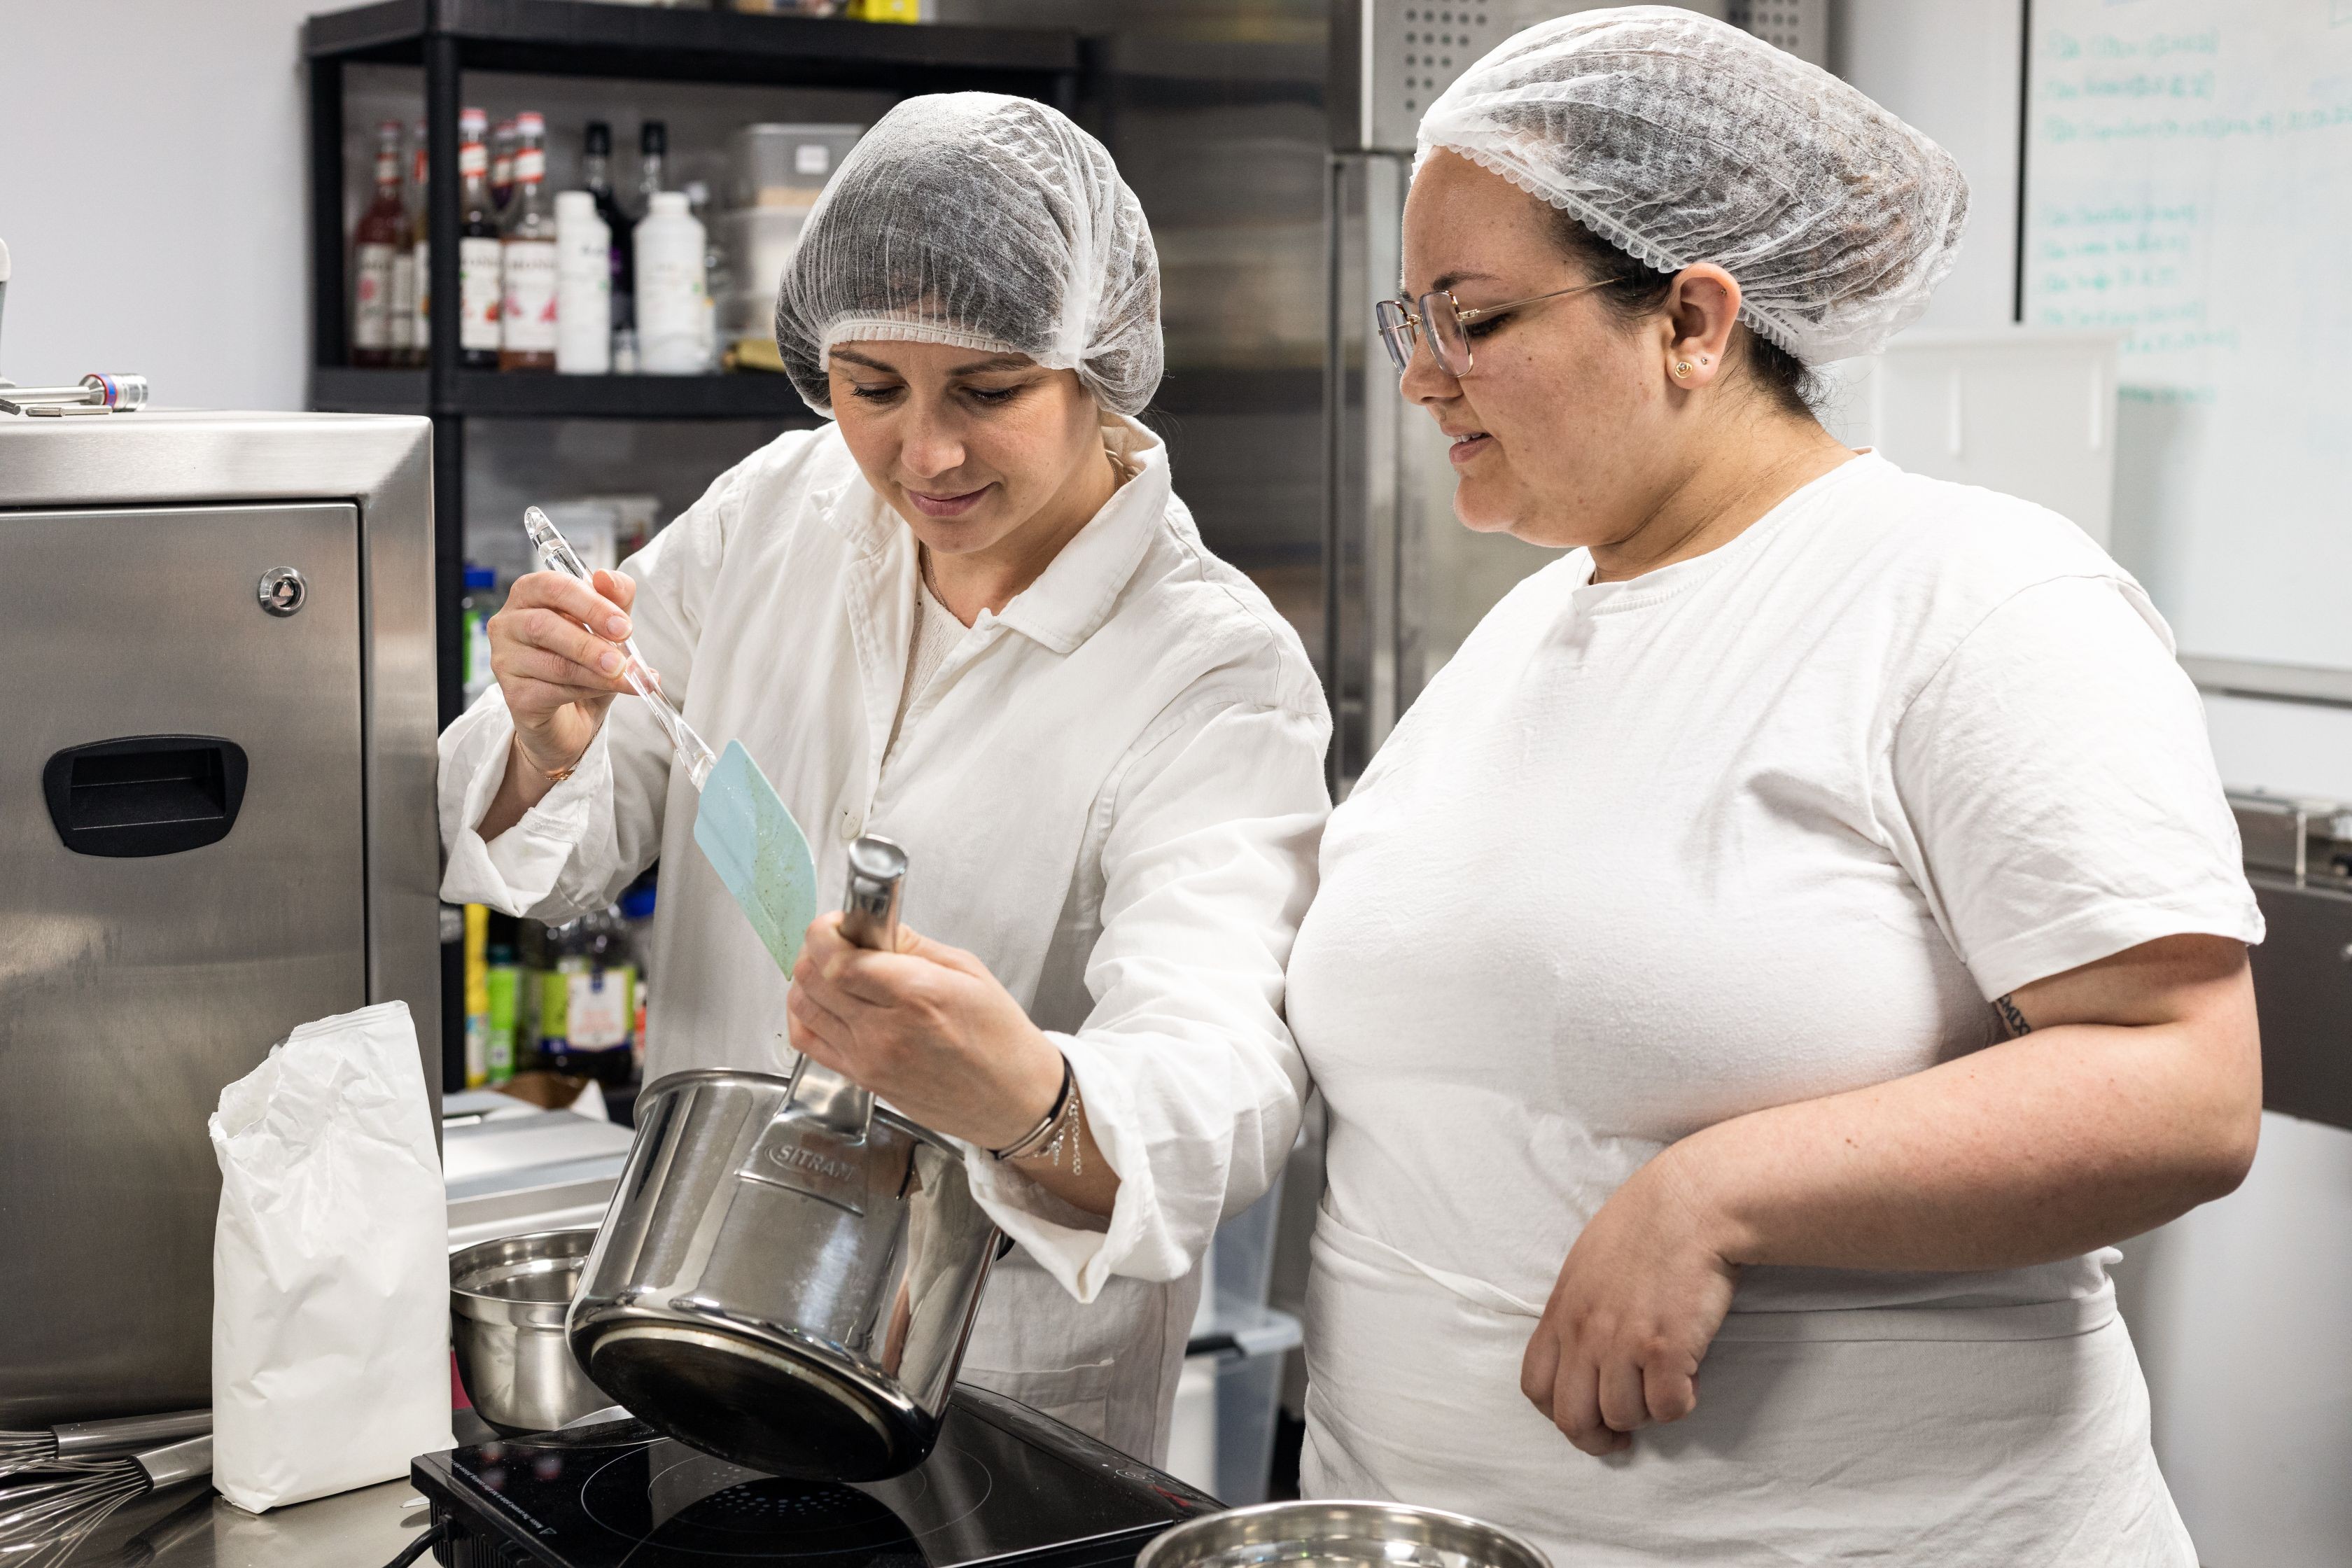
x: 1800, y: 1450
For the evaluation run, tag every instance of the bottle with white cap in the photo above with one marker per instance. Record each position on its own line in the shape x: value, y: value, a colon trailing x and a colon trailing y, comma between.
x: 672, y: 293
x: 584, y: 287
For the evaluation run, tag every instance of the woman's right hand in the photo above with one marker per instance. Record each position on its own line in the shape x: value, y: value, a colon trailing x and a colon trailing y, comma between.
x: 559, y: 678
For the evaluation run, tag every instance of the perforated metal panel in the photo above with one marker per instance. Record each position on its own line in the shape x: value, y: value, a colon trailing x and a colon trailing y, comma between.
x: 1799, y: 27
x: 1393, y: 57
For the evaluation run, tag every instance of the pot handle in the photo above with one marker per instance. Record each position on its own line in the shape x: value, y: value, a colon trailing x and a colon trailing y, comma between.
x: 869, y: 918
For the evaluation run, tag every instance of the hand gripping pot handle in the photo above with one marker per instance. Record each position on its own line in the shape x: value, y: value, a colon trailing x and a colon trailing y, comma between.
x: 869, y: 918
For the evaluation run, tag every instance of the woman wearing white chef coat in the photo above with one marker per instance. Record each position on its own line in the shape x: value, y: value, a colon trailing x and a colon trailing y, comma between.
x: 1797, y: 933
x: 970, y: 615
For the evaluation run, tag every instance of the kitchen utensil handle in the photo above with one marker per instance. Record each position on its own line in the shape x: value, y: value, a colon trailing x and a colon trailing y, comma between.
x: 869, y: 918
x: 691, y: 749
x: 124, y: 1433
x: 869, y: 909
x: 178, y: 1462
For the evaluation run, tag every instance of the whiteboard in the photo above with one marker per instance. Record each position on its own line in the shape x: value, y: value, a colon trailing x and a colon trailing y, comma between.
x: 2189, y: 184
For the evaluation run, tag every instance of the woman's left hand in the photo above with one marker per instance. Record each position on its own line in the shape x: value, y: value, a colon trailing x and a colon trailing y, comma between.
x: 1637, y: 1306
x: 925, y: 1027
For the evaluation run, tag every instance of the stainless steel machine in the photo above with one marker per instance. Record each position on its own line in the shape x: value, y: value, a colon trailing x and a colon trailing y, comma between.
x: 217, y: 822
x: 2299, y: 859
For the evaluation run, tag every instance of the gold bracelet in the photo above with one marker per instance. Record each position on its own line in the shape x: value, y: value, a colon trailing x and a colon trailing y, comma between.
x: 560, y: 774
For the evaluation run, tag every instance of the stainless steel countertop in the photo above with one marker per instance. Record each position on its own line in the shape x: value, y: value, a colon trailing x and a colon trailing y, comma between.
x: 189, y: 1527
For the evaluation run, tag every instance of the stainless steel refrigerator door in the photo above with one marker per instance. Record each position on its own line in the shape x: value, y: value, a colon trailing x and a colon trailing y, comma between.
x: 1408, y: 581
x: 132, y: 989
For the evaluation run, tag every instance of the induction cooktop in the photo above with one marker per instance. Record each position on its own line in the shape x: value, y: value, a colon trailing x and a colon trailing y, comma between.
x: 1005, y: 1486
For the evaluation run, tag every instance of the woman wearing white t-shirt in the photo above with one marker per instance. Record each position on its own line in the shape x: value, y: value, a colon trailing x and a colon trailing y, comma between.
x: 970, y: 615
x: 1801, y: 929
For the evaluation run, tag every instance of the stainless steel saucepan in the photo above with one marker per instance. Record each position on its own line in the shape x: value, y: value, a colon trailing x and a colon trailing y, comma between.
x: 1336, y: 1534
x: 787, y: 1275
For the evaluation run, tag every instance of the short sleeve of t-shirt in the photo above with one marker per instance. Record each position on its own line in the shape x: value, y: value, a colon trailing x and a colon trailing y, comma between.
x: 2058, y: 787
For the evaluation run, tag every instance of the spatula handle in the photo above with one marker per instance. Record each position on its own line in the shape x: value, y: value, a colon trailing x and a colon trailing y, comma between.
x: 691, y: 749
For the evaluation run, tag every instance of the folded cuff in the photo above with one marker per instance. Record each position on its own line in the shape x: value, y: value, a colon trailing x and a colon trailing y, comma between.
x: 1076, y: 1249
x: 518, y: 869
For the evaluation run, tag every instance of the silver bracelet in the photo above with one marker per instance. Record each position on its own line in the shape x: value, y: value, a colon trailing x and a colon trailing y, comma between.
x: 1035, y: 1140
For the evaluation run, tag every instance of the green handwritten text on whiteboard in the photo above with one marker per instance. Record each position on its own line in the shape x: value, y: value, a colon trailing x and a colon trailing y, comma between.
x: 2188, y: 186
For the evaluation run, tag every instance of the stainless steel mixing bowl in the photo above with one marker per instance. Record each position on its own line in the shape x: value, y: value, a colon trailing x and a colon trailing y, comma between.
x: 508, y: 1299
x: 1339, y: 1535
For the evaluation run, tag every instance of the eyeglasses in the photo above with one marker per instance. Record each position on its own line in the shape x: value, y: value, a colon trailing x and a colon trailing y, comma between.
x: 1446, y: 320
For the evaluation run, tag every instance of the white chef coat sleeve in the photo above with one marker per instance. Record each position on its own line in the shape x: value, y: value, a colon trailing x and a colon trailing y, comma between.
x: 1191, y: 1083
x: 2057, y: 786
x: 591, y: 834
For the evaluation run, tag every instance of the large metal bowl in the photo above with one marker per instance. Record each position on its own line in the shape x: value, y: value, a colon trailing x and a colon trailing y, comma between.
x: 508, y: 1299
x: 1339, y: 1535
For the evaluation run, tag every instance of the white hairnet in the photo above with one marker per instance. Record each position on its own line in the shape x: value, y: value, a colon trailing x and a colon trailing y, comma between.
x: 1680, y: 138
x: 988, y: 222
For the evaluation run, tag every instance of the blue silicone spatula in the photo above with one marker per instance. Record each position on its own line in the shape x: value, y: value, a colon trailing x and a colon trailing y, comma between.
x: 740, y: 822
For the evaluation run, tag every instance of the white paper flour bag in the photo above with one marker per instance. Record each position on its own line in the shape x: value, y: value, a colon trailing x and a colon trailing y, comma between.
x: 330, y: 1266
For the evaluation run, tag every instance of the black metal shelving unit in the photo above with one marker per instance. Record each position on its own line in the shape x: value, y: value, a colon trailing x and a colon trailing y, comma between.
x: 446, y: 38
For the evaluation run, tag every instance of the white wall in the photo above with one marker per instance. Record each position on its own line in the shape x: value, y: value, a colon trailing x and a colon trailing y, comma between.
x: 151, y: 196
x: 1950, y: 69
x: 2240, y: 1307
x: 1953, y: 70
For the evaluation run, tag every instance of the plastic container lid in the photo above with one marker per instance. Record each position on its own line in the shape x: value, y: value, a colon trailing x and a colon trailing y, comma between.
x: 636, y: 903
x: 574, y: 205
x: 668, y: 204
x: 530, y: 119
x: 480, y: 577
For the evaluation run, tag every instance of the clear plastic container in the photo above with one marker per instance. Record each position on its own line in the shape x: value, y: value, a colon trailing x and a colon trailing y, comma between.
x: 1245, y: 1250
x: 785, y: 165
x: 1245, y: 1349
x: 760, y: 242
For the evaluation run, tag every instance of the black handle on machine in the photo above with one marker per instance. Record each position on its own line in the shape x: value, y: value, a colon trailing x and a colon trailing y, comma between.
x: 144, y: 794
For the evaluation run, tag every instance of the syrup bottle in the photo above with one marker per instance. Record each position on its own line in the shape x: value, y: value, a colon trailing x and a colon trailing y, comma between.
x: 481, y: 288
x: 527, y: 331
x: 378, y: 243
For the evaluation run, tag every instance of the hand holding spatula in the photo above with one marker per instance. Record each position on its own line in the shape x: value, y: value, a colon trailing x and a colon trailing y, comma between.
x: 751, y: 839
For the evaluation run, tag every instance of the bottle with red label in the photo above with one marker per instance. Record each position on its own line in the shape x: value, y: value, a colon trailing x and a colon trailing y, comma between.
x: 420, y: 319
x: 527, y: 331
x: 378, y: 243
x: 481, y: 294
x: 502, y: 150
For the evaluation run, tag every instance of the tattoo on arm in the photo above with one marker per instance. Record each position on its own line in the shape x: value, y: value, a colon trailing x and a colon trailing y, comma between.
x: 2011, y: 1018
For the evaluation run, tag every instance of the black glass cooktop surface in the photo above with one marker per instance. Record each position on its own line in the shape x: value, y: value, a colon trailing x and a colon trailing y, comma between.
x: 1004, y: 1484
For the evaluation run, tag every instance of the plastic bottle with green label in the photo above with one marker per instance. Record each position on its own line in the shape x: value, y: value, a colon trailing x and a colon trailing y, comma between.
x: 501, y: 983
x: 587, y: 1001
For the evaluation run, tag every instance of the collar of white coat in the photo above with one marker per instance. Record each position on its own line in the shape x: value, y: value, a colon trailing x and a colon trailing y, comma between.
x: 1075, y: 593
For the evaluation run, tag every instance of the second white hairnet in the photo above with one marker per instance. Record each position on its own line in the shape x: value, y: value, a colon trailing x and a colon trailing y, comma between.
x: 1680, y: 138
x: 988, y: 222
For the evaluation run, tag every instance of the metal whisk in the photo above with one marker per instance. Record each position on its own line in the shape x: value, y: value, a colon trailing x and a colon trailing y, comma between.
x: 98, y: 1439
x: 43, y: 1520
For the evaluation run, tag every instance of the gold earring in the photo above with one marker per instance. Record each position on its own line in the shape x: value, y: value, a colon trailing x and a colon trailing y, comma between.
x: 1682, y: 367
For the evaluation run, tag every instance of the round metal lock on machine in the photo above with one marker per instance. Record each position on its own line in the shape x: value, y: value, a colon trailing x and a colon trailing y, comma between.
x: 282, y: 590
